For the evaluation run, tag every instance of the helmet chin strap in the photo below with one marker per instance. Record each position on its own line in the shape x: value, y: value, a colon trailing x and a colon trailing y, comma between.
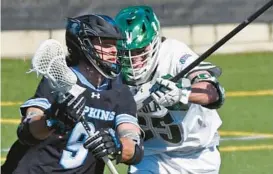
x: 96, y: 66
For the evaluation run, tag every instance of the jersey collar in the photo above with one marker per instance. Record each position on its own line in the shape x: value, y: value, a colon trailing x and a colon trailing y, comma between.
x: 104, y: 85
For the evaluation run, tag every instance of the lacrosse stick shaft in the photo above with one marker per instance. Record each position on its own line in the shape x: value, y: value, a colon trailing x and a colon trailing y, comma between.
x: 216, y: 46
x: 221, y: 42
x: 106, y: 160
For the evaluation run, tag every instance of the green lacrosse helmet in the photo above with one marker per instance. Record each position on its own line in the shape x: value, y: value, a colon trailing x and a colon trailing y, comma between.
x: 139, y: 52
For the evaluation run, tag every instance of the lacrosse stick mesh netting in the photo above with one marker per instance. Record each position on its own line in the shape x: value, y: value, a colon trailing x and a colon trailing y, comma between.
x: 49, y: 60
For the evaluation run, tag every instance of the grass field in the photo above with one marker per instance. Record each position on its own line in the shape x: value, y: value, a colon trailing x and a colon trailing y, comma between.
x: 247, y: 130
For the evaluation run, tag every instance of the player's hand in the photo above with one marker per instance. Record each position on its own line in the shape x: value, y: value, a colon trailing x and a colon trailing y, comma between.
x: 103, y: 143
x: 169, y: 93
x: 68, y: 108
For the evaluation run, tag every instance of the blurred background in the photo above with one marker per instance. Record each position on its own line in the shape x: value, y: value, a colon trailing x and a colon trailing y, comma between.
x: 246, y: 61
x: 199, y: 23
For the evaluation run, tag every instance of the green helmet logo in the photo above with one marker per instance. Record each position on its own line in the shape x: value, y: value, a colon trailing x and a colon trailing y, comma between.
x: 141, y: 28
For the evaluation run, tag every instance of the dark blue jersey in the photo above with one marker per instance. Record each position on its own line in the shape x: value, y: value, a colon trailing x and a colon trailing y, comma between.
x: 106, y: 107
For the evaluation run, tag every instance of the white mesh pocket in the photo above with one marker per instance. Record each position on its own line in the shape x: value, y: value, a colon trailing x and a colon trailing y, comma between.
x: 49, y: 60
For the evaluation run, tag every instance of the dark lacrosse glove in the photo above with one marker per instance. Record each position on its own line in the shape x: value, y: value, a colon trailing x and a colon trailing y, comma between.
x: 68, y: 109
x: 103, y: 143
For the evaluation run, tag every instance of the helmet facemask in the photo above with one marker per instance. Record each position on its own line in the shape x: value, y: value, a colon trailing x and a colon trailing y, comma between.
x: 109, y: 69
x: 139, y: 64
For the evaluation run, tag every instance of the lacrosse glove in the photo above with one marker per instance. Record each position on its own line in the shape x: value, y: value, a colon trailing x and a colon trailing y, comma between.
x: 169, y: 93
x: 67, y: 110
x: 103, y: 143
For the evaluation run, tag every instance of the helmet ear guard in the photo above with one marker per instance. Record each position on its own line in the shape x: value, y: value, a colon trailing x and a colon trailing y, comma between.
x: 79, y: 32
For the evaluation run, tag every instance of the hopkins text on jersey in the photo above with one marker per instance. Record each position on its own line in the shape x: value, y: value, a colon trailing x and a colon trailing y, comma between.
x: 99, y: 113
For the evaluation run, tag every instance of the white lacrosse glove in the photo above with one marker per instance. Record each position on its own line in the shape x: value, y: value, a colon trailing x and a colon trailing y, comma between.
x: 170, y: 93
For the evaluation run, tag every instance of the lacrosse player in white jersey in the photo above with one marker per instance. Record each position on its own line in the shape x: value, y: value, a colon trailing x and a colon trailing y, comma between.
x: 181, y: 122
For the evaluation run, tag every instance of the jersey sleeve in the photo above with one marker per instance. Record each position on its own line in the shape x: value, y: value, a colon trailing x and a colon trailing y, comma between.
x: 184, y: 56
x: 126, y: 111
x: 42, y: 98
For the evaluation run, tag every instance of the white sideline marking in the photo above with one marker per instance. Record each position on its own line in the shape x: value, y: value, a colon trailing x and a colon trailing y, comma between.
x: 245, y: 138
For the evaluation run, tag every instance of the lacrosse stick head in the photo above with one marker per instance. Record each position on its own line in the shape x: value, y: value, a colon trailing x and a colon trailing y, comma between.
x: 49, y: 61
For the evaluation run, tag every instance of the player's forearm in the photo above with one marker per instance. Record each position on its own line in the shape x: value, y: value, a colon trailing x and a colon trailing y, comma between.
x: 128, y: 149
x: 203, y: 93
x: 37, y: 124
x: 33, y: 128
x: 132, y: 143
x: 38, y: 128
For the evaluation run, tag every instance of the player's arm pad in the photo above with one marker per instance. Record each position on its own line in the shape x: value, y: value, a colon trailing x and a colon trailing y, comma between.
x: 138, y: 155
x: 25, y: 136
x: 204, y: 77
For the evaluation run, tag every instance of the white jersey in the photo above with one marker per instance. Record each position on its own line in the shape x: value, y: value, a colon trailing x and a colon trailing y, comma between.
x: 191, y: 130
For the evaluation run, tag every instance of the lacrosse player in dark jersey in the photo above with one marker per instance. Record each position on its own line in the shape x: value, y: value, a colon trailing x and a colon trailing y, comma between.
x: 50, y: 137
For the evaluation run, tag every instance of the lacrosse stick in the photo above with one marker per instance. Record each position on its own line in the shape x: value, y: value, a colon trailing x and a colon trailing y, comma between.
x: 213, y: 48
x: 49, y: 61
